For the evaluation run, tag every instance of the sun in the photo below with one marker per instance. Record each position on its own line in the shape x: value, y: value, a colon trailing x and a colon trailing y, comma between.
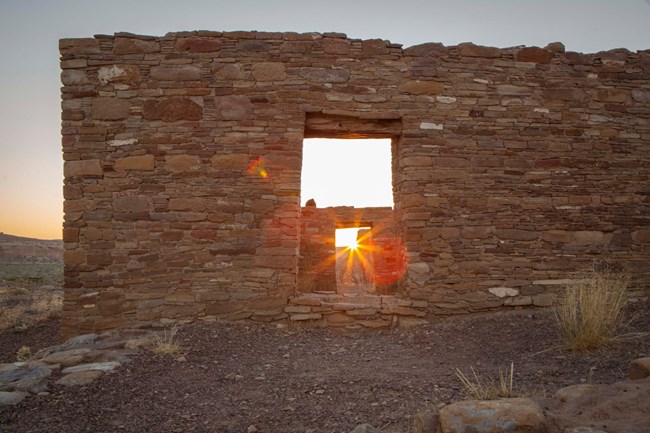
x: 347, y: 238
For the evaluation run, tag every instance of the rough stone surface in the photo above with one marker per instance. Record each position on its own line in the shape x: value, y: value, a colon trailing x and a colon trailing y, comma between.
x: 640, y: 368
x: 510, y: 166
x: 172, y: 109
x: 11, y: 398
x: 516, y: 415
x: 110, y: 108
x: 80, y: 378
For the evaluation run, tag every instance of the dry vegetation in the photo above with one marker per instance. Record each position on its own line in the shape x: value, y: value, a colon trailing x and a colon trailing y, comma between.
x: 480, y: 388
x: 29, y: 293
x: 590, y: 315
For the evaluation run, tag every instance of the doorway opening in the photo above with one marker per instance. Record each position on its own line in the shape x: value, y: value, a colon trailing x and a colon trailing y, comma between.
x: 347, y: 172
x: 355, y: 265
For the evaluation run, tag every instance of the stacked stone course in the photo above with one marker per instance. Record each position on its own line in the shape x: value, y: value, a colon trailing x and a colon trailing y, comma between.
x: 512, y: 168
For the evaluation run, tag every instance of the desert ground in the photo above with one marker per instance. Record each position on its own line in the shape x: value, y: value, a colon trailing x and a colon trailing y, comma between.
x: 269, y: 378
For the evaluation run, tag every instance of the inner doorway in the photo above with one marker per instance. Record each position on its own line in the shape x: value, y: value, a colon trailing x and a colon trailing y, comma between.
x: 355, y: 265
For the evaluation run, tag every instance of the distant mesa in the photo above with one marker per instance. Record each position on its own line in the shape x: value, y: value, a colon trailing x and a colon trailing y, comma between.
x: 18, y: 249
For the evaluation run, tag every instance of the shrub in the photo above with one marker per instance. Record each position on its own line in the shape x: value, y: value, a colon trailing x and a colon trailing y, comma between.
x: 590, y: 315
x: 480, y: 388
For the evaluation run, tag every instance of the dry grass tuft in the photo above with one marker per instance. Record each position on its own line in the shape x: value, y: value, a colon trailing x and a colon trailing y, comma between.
x: 24, y: 354
x: 167, y: 344
x: 480, y: 388
x: 590, y: 315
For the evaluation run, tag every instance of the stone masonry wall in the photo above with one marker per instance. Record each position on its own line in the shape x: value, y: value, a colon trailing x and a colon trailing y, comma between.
x: 512, y: 168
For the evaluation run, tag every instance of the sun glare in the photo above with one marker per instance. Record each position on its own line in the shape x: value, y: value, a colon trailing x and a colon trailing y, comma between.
x: 347, y: 238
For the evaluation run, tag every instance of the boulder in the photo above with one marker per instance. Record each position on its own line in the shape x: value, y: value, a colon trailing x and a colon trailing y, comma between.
x: 514, y: 415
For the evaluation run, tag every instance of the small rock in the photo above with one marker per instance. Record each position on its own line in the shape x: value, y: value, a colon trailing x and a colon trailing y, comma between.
x: 640, y: 368
x: 181, y: 359
x: 573, y: 392
x: 11, y: 398
x: 79, y: 378
x: 252, y: 429
x: 426, y: 422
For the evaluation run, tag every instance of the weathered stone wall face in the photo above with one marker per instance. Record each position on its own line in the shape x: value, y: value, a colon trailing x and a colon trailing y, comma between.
x: 513, y: 168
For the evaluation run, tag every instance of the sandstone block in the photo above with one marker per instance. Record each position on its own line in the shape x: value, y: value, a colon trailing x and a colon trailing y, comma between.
x: 233, y: 107
x: 192, y: 204
x: 336, y: 46
x: 227, y: 71
x: 417, y: 87
x: 230, y: 161
x: 136, y: 163
x: 135, y: 46
x: 176, y: 73
x: 611, y: 95
x: 502, y: 292
x: 555, y: 47
x: 640, y: 368
x: 307, y: 316
x: 641, y: 236
x: 563, y: 94
x: 471, y: 50
x: 477, y: 232
x: 516, y: 234
x: 373, y: 47
x: 325, y: 75
x: 269, y: 71
x: 297, y: 309
x: 118, y: 74
x: 74, y: 257
x: 588, y: 237
x: 110, y: 108
x: 641, y: 95
x: 557, y: 236
x: 79, y: 46
x: 339, y: 318
x: 515, y: 415
x: 179, y: 163
x: 172, y: 109
x: 534, y: 54
x: 73, y: 77
x: 131, y: 203
x: 86, y: 167
x: 198, y: 45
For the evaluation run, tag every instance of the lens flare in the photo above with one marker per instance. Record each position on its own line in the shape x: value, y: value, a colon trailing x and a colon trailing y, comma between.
x: 257, y: 167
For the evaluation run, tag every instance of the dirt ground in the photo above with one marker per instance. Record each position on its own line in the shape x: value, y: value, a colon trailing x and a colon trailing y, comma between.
x: 243, y: 378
